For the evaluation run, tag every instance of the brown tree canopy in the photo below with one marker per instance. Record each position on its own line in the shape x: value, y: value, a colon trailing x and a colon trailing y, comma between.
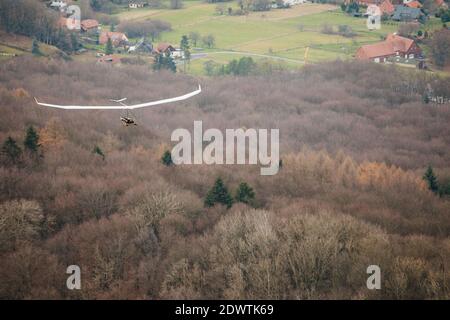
x: 355, y: 140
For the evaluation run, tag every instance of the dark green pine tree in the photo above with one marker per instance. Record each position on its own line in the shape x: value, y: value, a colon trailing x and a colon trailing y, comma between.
x: 74, y: 42
x: 184, y: 44
x: 167, y: 158
x: 169, y: 63
x: 63, y: 42
x: 244, y: 193
x: 164, y: 62
x: 35, y: 48
x: 31, y: 141
x: 431, y: 180
x: 219, y: 194
x: 444, y: 188
x: 98, y: 151
x: 159, y: 62
x: 109, y: 47
x: 11, y: 151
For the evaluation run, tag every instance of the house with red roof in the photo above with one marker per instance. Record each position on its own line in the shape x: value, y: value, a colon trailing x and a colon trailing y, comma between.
x: 117, y: 38
x: 393, y: 46
x: 164, y: 48
x: 414, y: 4
x: 168, y: 49
x: 386, y: 7
x: 88, y: 25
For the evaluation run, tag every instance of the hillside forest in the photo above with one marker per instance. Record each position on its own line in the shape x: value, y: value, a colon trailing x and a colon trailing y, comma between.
x: 364, y: 180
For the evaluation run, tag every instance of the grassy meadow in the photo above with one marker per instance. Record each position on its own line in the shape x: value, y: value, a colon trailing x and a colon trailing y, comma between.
x: 280, y: 33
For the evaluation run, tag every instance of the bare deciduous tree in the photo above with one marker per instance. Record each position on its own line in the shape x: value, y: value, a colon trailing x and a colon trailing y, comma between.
x: 19, y: 220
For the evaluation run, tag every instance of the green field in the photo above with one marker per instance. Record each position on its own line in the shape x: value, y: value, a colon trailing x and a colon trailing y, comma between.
x: 282, y: 33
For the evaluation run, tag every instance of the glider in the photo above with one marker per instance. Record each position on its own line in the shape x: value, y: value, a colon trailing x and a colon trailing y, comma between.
x: 122, y: 105
x: 126, y: 120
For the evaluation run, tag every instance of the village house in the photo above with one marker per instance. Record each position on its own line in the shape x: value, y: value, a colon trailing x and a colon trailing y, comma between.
x: 164, y: 48
x: 58, y: 5
x: 117, y: 38
x: 404, y: 13
x: 393, y: 46
x: 89, y: 25
x: 414, y: 4
x: 136, y: 5
x: 178, y: 54
x: 387, y: 8
x: 142, y: 46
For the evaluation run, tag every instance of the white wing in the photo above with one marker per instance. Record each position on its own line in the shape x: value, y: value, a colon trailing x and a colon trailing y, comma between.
x: 118, y: 101
x: 134, y: 106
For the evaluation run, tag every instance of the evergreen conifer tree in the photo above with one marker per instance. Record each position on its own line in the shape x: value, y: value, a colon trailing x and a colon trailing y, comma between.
x: 35, y: 48
x: 219, y: 194
x: 31, y: 141
x: 431, y: 180
x: 11, y: 152
x: 167, y: 158
x: 98, y: 151
x: 244, y: 193
x: 109, y: 47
